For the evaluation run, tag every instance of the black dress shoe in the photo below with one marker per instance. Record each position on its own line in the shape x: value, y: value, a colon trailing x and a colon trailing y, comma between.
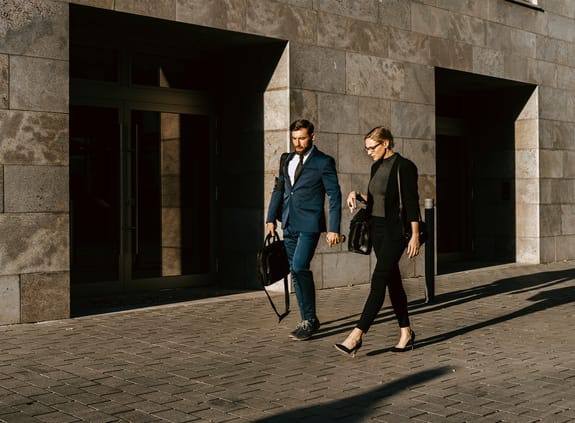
x: 351, y: 352
x: 408, y: 347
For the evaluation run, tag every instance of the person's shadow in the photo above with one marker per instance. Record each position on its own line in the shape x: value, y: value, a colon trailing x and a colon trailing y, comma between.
x: 356, y: 407
x: 506, y: 286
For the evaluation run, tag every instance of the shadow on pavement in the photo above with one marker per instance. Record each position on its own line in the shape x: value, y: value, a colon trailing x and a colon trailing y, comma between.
x: 356, y: 407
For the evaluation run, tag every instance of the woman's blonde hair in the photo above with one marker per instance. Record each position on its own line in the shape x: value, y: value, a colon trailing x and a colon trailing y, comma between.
x: 380, y: 134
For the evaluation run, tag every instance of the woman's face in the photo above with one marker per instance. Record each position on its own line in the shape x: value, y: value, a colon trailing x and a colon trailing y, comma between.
x: 375, y: 150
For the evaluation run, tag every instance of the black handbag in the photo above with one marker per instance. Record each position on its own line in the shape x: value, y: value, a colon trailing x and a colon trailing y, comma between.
x: 359, y: 240
x: 403, y: 216
x: 273, y: 265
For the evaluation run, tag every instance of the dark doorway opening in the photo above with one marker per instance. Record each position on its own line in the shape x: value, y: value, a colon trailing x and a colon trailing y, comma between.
x: 161, y: 113
x: 475, y: 118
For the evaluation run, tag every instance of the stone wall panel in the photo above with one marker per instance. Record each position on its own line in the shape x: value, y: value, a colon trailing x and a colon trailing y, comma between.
x: 338, y: 113
x: 165, y: 9
x: 34, y: 28
x: 395, y: 13
x: 9, y: 300
x: 362, y: 37
x: 409, y: 47
x: 34, y: 243
x: 33, y: 138
x: 281, y: 21
x: 228, y: 14
x: 365, y: 10
x: 4, y: 85
x: 374, y: 77
x: 45, y: 296
x: 38, y: 84
x: 316, y: 68
x: 451, y: 55
x: 35, y: 189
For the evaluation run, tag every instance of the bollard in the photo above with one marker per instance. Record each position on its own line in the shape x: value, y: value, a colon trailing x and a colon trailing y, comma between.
x: 429, y: 251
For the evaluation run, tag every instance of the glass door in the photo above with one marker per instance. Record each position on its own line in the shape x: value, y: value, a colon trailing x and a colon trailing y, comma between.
x: 141, y: 197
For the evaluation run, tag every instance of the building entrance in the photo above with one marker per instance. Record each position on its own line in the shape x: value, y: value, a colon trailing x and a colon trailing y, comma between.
x: 141, y: 185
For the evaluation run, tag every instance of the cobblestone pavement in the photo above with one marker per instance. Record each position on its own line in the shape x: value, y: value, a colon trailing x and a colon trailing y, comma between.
x: 496, y: 345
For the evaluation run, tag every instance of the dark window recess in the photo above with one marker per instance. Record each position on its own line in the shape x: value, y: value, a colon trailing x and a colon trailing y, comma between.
x: 93, y: 63
x: 157, y: 71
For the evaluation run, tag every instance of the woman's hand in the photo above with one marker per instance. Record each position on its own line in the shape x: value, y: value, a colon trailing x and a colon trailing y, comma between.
x: 413, y: 245
x: 352, y: 199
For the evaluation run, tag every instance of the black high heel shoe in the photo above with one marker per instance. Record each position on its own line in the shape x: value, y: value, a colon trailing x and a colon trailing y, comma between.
x: 408, y: 347
x: 347, y: 351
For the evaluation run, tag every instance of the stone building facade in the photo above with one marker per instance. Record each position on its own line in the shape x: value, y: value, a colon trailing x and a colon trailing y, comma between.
x: 479, y: 94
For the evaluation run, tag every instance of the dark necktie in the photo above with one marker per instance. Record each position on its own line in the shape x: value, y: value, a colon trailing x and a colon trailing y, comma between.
x: 299, y: 168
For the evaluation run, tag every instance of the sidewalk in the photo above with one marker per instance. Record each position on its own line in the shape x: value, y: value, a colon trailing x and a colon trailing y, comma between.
x: 496, y: 345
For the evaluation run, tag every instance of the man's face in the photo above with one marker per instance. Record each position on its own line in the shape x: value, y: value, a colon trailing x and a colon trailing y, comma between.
x: 301, y: 140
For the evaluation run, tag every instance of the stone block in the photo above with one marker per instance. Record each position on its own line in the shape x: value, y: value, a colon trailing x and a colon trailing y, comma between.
x: 526, y: 134
x: 4, y: 86
x: 568, y: 219
x: 409, y: 47
x: 565, y: 248
x: 45, y: 296
x: 171, y: 227
x: 509, y: 14
x: 352, y: 157
x: 551, y: 164
x: 165, y: 9
x: 359, y: 10
x: 102, y: 4
x: 498, y: 37
x: 39, y: 84
x: 528, y: 250
x: 561, y: 28
x: 566, y: 77
x: 527, y: 192
x: 516, y: 68
x: 374, y: 77
x: 328, y: 143
x: 36, y: 242
x: 467, y: 29
x: 550, y: 220
x: 317, y: 69
x: 553, y: 50
x: 9, y: 299
x: 276, y: 143
x: 569, y: 164
x: 33, y: 138
x: 527, y: 221
x: 419, y: 84
x: 451, y: 55
x: 422, y: 153
x: 543, y: 72
x: 410, y: 120
x: 547, y: 250
x: 35, y: 188
x: 479, y: 9
x: 527, y: 164
x: 430, y: 20
x: 360, y: 36
x: 281, y: 21
x: 523, y: 43
x: 338, y: 113
x: 35, y: 28
x: 488, y: 62
x: 345, y: 269
x: 556, y: 104
x: 531, y: 107
x: 276, y: 110
x: 304, y: 104
x: 395, y: 13
x: 373, y: 112
x: 227, y: 14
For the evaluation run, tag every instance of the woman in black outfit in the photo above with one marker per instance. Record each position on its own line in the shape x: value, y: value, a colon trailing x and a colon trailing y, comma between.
x: 387, y: 235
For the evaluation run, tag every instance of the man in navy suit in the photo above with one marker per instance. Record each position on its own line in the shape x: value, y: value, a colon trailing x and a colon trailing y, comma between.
x: 298, y: 199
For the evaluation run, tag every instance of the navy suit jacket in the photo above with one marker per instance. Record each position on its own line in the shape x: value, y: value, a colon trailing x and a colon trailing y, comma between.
x: 301, y: 207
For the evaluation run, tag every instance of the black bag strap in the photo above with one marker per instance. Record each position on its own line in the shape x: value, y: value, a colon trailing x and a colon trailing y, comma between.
x: 286, y: 299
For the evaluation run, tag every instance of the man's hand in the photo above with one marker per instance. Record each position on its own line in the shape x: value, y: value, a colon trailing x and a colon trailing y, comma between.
x: 332, y: 238
x: 271, y: 228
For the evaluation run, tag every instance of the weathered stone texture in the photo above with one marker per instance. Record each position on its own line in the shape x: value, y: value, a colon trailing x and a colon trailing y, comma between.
x: 430, y: 20
x: 9, y: 299
x: 419, y: 84
x: 412, y: 120
x: 352, y: 157
x: 362, y: 37
x: 467, y: 29
x: 473, y: 8
x: 345, y: 269
x: 34, y: 28
x: 338, y: 113
x: 361, y: 10
x: 451, y: 55
x: 35, y: 189
x: 562, y: 28
x: 4, y: 86
x: 409, y: 46
x: 35, y: 242
x: 276, y: 109
x: 488, y: 62
x: 303, y: 103
x: 165, y: 9
x: 38, y: 84
x: 371, y: 76
x: 281, y: 21
x: 33, y: 138
x: 104, y: 4
x: 228, y: 14
x: 316, y: 68
x: 373, y: 112
x: 395, y: 13
x: 45, y: 296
